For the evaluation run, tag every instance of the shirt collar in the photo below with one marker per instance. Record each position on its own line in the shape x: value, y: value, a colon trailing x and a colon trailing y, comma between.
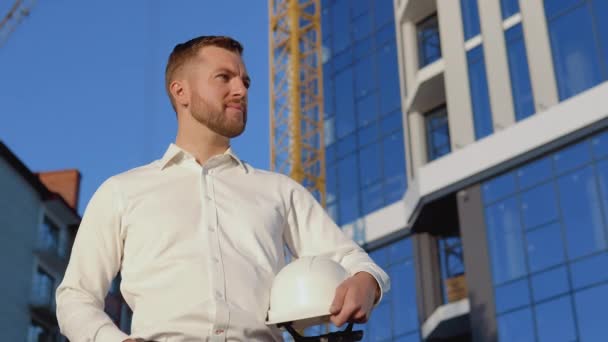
x: 174, y: 151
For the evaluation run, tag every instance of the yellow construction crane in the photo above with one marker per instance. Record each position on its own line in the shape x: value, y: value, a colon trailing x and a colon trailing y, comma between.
x: 15, y: 15
x: 296, y: 93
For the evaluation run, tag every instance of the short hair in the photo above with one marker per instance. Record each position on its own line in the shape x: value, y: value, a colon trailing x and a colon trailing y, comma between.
x: 184, y: 52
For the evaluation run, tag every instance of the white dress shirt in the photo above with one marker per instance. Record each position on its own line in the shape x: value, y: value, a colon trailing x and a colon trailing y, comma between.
x: 197, y: 248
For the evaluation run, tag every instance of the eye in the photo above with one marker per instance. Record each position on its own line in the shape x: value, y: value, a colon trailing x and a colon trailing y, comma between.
x: 246, y: 83
x: 223, y: 77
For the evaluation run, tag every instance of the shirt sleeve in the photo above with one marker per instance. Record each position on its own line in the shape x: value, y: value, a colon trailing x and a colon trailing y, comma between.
x: 94, y: 262
x: 311, y: 232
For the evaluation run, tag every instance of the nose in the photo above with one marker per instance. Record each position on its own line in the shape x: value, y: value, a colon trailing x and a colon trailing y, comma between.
x: 238, y: 88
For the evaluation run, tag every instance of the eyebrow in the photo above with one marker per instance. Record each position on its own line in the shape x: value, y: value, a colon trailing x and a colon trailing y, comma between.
x: 223, y: 69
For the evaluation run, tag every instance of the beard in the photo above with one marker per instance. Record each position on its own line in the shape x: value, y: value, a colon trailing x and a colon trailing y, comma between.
x: 215, y: 118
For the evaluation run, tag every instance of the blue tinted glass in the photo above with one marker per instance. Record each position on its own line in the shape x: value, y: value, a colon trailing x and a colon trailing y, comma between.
x: 360, y: 7
x: 505, y: 240
x: 385, y: 35
x: 368, y: 134
x: 556, y: 7
x: 399, y: 251
x: 362, y: 26
x: 388, y: 78
x: 437, y: 133
x: 602, y: 172
x: 363, y: 48
x: 367, y: 109
x: 523, y: 99
x: 328, y: 99
x: 391, y: 123
x: 331, y: 183
x: 548, y: 284
x: 415, y: 337
x: 470, y: 18
x: 508, y: 8
x: 330, y: 153
x: 572, y: 157
x: 384, y: 12
x: 429, y: 46
x: 404, y: 310
x: 394, y: 188
x: 482, y: 114
x: 345, y: 114
x: 329, y: 130
x: 394, y: 155
x: 516, y: 326
x: 582, y: 218
x: 538, y: 205
x: 372, y: 198
x: 347, y: 145
x: 325, y: 23
x: 512, y: 295
x: 348, y: 208
x: 599, y: 145
x: 586, y: 271
x: 498, y: 187
x: 370, y: 157
x: 342, y: 60
x: 545, y: 247
x: 555, y: 321
x: 534, y: 173
x: 378, y: 326
x: 600, y: 10
x: 364, y: 77
x: 340, y: 25
x: 575, y: 53
x: 591, y: 305
x: 380, y: 257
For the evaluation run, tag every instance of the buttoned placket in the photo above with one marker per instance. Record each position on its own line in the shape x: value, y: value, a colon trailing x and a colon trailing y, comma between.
x: 218, y: 330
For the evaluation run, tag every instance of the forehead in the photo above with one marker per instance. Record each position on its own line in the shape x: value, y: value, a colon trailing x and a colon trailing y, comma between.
x: 213, y: 57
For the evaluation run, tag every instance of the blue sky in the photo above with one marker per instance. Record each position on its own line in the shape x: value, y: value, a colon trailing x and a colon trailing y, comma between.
x: 81, y: 82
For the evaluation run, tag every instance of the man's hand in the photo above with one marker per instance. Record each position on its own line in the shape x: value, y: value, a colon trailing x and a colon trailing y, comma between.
x: 354, y: 299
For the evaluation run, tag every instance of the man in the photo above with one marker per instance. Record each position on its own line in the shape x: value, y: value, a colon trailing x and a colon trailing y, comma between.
x: 198, y: 235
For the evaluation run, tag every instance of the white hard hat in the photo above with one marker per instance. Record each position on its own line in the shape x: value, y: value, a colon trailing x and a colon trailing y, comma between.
x: 303, y: 291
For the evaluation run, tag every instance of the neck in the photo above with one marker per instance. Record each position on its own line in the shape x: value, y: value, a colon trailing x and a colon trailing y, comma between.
x: 200, y: 141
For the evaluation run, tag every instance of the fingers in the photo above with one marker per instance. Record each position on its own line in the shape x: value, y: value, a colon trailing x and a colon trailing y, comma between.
x: 339, y: 296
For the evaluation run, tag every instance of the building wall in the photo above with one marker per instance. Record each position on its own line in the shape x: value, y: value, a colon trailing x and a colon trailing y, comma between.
x: 20, y: 210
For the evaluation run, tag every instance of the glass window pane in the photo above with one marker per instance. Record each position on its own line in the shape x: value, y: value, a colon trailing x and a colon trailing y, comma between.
x: 362, y: 26
x: 380, y: 257
x: 555, y: 321
x: 512, y: 295
x: 599, y: 145
x: 331, y: 183
x: 370, y: 157
x: 372, y: 198
x: 368, y: 134
x: 498, y: 187
x: 590, y: 305
x: 343, y: 59
x: 505, y: 240
x: 545, y: 247
x: 602, y: 173
x: 557, y: 7
x: 534, y: 173
x: 482, y: 114
x: 523, y: 99
x: 470, y: 18
x: 508, y: 8
x: 384, y: 35
x: 391, y: 123
x: 348, y: 196
x: 401, y: 250
x: 404, y: 310
x: 347, y: 145
x: 585, y: 272
x: 345, y: 114
x: 582, y: 217
x: 340, y: 25
x: 539, y: 205
x: 363, y: 48
x: 384, y: 12
x: 600, y: 10
x: 429, y: 46
x: 572, y: 157
x: 360, y: 7
x: 379, y: 320
x: 367, y: 109
x: 365, y: 81
x: 516, y: 326
x: 549, y: 284
x: 394, y: 188
x: 388, y: 79
x: 575, y: 52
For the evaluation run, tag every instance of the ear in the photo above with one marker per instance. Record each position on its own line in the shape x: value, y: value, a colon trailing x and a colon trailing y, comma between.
x: 181, y: 92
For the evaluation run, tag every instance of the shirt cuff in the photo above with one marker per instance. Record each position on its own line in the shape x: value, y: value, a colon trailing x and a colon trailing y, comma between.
x: 110, y: 333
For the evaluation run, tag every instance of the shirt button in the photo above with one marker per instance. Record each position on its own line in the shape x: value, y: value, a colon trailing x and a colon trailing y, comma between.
x: 219, y: 331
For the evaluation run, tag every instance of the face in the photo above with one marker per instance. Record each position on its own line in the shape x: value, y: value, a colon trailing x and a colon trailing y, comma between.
x: 218, y: 98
